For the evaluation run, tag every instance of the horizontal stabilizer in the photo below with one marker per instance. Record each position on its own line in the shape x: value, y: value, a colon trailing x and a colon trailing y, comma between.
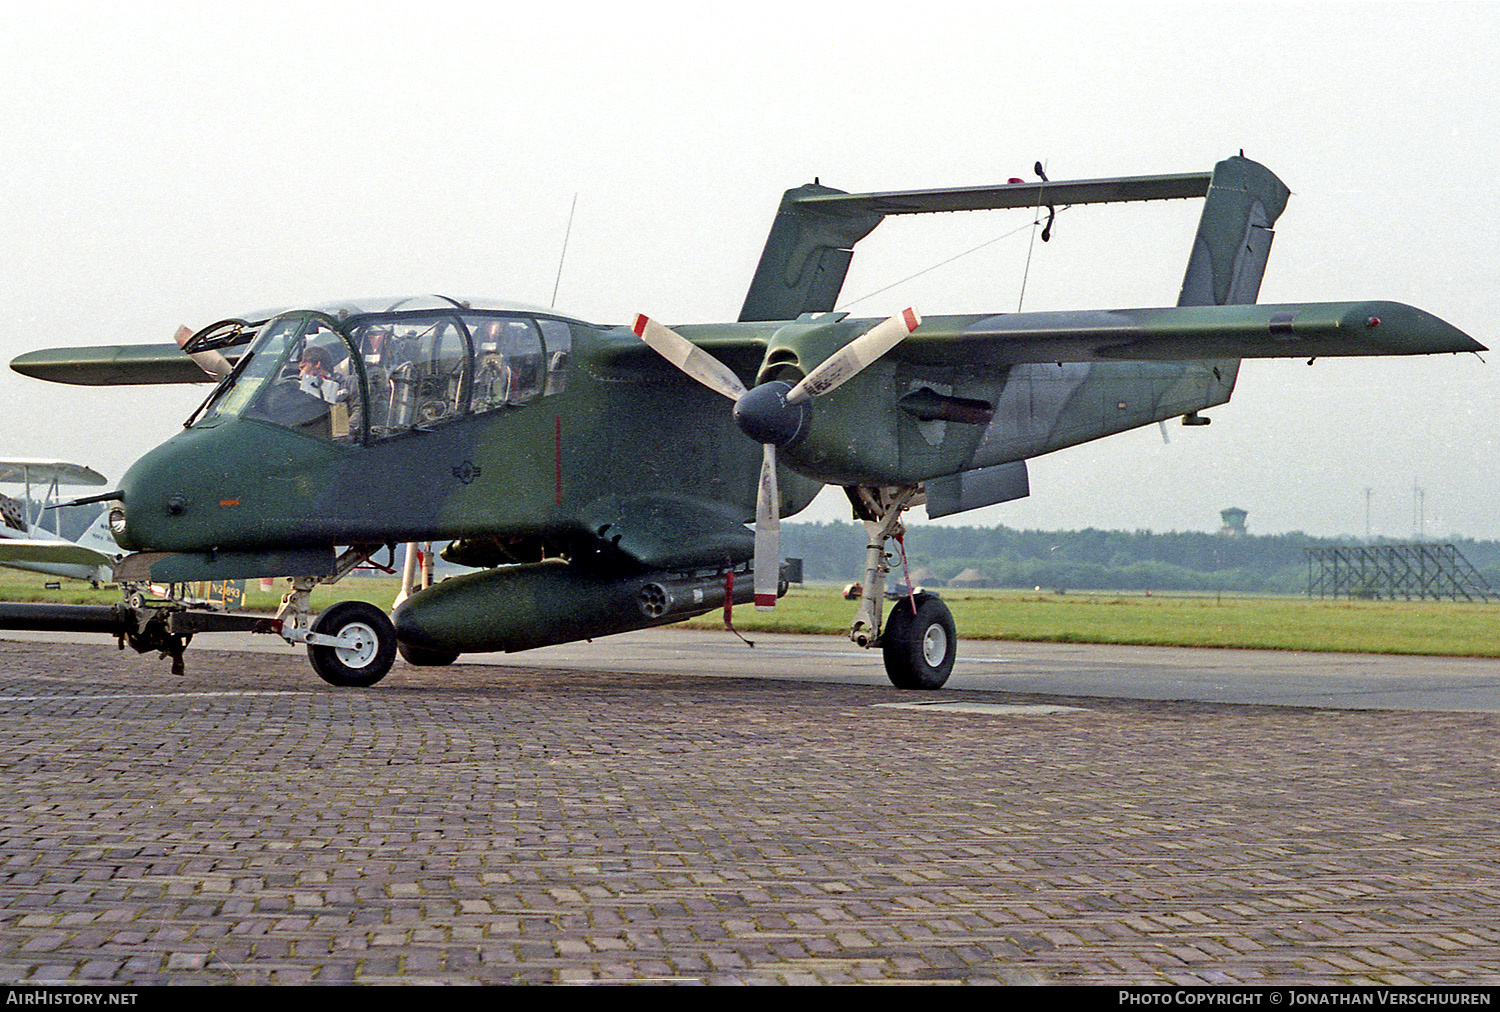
x: 812, y: 239
x: 1186, y: 333
x: 1116, y: 190
x: 112, y: 365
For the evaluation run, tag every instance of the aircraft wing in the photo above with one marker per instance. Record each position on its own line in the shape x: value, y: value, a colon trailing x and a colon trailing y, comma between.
x: 1185, y: 333
x: 39, y: 550
x: 45, y: 471
x: 112, y: 365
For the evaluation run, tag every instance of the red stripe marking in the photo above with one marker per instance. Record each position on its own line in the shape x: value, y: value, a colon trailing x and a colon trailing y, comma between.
x: 765, y: 600
x: 557, y: 454
x: 910, y: 316
x: 640, y: 325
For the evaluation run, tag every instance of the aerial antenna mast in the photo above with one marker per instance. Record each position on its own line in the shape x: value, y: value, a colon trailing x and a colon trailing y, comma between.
x: 566, y: 233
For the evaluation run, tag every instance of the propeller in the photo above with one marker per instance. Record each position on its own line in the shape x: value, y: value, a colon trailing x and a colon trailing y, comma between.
x: 210, y: 361
x: 774, y: 414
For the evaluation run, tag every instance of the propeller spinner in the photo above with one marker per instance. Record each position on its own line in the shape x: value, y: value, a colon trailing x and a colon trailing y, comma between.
x: 774, y: 414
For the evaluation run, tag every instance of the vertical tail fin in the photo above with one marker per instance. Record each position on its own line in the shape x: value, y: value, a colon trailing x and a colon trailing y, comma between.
x: 1234, y: 235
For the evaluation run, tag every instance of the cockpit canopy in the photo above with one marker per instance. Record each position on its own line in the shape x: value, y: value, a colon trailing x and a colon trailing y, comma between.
x: 367, y: 370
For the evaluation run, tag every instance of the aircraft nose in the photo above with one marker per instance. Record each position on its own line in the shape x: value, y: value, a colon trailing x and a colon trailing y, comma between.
x: 231, y: 487
x: 130, y: 520
x: 161, y: 504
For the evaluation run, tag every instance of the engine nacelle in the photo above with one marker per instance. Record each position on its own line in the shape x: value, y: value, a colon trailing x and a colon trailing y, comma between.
x: 522, y: 607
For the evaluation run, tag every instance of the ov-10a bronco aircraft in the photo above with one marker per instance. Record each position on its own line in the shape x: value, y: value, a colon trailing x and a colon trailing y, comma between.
x: 600, y: 477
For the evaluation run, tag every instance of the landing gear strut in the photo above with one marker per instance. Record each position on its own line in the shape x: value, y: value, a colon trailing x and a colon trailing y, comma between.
x: 919, y: 642
x: 351, y: 643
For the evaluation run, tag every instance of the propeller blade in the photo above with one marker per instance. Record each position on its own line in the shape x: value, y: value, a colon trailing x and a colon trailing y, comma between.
x: 688, y: 357
x: 855, y: 355
x: 767, y: 533
x: 211, y: 362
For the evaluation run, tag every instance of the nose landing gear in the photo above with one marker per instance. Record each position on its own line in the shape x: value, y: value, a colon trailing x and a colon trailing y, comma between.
x: 365, y: 647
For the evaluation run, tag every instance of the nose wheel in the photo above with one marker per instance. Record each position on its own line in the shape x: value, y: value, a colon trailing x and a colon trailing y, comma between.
x: 366, y: 647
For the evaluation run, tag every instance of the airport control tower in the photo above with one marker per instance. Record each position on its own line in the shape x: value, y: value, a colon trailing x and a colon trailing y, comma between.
x: 1234, y: 522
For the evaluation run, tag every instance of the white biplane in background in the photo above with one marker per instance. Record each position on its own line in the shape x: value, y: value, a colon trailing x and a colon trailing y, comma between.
x: 25, y: 543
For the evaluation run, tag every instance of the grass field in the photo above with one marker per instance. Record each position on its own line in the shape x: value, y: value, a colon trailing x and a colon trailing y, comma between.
x: 1280, y: 623
x: 18, y: 586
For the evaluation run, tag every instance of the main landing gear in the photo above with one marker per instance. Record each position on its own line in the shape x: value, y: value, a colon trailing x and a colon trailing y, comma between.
x: 919, y: 641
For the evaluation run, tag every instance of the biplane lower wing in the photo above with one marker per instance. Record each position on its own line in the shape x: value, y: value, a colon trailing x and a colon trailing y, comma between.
x: 65, y: 553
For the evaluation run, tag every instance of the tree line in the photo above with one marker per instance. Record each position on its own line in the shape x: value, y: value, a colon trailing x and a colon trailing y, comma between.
x: 1091, y: 559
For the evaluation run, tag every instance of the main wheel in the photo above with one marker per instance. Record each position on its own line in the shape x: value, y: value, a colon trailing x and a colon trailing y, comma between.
x: 424, y: 657
x: 919, y: 647
x: 367, y: 648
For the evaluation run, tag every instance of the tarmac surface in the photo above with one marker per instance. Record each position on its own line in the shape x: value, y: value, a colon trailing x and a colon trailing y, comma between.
x: 660, y: 809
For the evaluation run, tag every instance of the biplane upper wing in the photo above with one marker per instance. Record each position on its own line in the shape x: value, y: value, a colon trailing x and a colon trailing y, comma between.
x: 1185, y: 333
x: 47, y: 471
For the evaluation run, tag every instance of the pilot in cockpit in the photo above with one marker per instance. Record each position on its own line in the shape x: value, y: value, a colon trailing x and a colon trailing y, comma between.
x: 316, y: 377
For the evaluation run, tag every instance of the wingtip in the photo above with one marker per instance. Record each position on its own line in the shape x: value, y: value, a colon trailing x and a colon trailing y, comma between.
x: 640, y: 324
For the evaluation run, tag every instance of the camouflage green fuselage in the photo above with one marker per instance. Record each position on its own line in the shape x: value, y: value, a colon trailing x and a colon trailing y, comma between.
x: 629, y: 436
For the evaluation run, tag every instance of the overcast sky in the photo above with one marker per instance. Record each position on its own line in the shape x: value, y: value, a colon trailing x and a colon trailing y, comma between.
x: 179, y: 163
